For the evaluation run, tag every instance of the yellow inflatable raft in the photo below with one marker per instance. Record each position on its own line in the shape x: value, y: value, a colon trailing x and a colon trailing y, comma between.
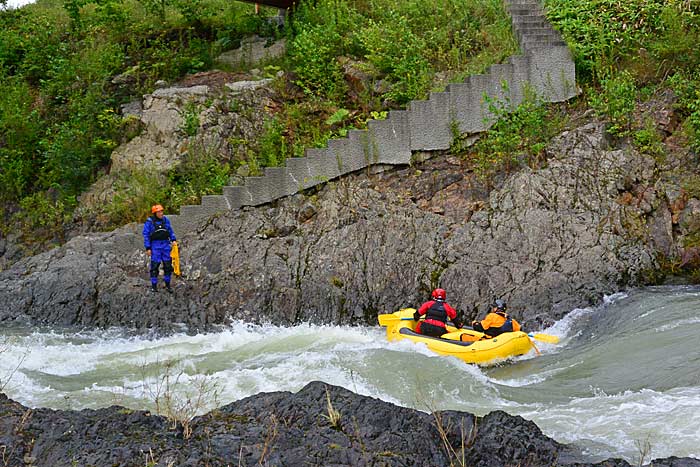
x: 465, y: 344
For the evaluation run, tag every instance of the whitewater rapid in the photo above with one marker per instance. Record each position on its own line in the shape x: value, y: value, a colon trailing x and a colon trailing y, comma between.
x: 626, y: 375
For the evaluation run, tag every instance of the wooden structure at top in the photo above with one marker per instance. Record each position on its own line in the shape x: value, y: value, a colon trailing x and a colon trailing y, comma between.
x: 285, y: 4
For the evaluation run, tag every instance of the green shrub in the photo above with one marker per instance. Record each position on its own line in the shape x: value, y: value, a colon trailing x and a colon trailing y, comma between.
x: 678, y: 41
x: 42, y: 218
x: 687, y: 87
x: 616, y: 101
x: 649, y: 141
x: 655, y: 36
x: 399, y: 39
x: 518, y: 137
x: 190, y: 120
x: 313, y: 51
x: 393, y: 49
x: 135, y: 193
x: 199, y: 174
x: 602, y: 32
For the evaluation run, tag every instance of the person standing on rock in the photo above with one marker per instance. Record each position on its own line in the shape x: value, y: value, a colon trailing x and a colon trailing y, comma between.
x: 158, y: 238
x: 497, y: 321
x: 437, y: 311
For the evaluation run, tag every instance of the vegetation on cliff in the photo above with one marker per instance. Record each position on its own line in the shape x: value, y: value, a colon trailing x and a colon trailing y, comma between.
x: 66, y: 67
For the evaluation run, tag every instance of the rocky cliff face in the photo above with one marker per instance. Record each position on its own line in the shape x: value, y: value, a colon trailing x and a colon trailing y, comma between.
x: 589, y: 223
x: 284, y: 429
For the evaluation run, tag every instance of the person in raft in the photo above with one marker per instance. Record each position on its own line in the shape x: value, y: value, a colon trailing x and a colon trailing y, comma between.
x: 497, y: 321
x: 158, y: 236
x: 437, y: 311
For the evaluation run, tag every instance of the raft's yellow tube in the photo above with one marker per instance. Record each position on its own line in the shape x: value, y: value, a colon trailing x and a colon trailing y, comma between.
x: 509, y: 344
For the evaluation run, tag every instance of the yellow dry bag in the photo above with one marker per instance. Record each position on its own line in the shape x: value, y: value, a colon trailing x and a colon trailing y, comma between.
x: 175, y: 256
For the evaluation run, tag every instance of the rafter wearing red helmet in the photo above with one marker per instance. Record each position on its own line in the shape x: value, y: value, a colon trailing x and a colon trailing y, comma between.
x: 437, y: 311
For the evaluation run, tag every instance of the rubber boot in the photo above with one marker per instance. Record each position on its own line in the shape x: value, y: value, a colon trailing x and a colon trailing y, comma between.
x: 154, y: 287
x: 168, y: 288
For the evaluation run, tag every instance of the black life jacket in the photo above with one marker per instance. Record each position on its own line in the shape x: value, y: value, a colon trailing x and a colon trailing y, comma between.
x: 507, y: 326
x: 437, y: 312
x: 160, y: 231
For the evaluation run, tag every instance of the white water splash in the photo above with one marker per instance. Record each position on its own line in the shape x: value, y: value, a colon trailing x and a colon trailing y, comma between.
x: 619, y: 423
x: 99, y: 368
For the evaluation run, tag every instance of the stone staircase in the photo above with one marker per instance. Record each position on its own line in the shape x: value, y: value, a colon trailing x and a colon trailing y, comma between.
x: 545, y: 66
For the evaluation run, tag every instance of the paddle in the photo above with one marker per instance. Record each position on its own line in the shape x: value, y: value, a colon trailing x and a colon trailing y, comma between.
x: 548, y: 338
x: 387, y: 319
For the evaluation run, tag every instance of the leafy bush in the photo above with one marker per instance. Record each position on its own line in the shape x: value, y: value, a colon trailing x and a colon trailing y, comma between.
x: 518, y: 137
x: 190, y: 120
x: 616, y: 101
x: 605, y: 34
x: 648, y: 141
x: 42, y: 218
x: 135, y: 193
x: 687, y: 87
x: 604, y: 31
x: 393, y: 49
x: 397, y: 39
x: 313, y: 52
x: 199, y: 174
x: 272, y: 149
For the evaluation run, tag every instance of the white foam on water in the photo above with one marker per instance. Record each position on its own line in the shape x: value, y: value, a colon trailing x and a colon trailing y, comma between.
x: 263, y: 359
x: 614, y: 298
x: 677, y: 324
x: 534, y: 378
x: 562, y: 327
x: 614, y: 425
x: 97, y: 368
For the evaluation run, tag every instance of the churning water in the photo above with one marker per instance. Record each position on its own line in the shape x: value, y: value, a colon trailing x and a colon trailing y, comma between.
x: 625, y: 374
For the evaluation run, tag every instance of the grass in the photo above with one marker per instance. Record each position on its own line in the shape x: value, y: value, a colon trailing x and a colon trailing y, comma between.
x: 176, y: 396
x: 333, y: 416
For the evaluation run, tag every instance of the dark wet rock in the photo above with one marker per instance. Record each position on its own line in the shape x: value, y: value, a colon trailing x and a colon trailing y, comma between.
x: 674, y: 461
x: 284, y: 429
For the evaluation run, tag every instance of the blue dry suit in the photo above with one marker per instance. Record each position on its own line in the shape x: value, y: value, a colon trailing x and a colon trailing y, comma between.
x: 157, y: 235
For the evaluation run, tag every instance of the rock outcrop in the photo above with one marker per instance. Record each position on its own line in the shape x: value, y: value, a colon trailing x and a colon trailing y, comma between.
x: 282, y: 428
x: 547, y: 240
x: 212, y: 114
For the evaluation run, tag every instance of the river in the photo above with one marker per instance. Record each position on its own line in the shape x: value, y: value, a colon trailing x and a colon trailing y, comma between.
x: 625, y: 377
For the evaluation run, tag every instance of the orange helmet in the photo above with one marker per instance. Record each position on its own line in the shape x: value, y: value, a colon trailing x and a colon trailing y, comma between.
x: 155, y: 208
x: 439, y: 294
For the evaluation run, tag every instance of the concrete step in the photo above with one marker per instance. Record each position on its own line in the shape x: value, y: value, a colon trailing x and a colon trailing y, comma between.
x: 540, y: 38
x: 534, y: 46
x: 535, y: 30
x: 518, y: 11
x: 530, y: 23
x: 238, y: 196
x: 528, y: 17
x: 216, y: 202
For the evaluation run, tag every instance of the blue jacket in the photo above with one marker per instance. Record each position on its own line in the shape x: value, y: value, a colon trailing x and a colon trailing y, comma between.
x: 154, y: 227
